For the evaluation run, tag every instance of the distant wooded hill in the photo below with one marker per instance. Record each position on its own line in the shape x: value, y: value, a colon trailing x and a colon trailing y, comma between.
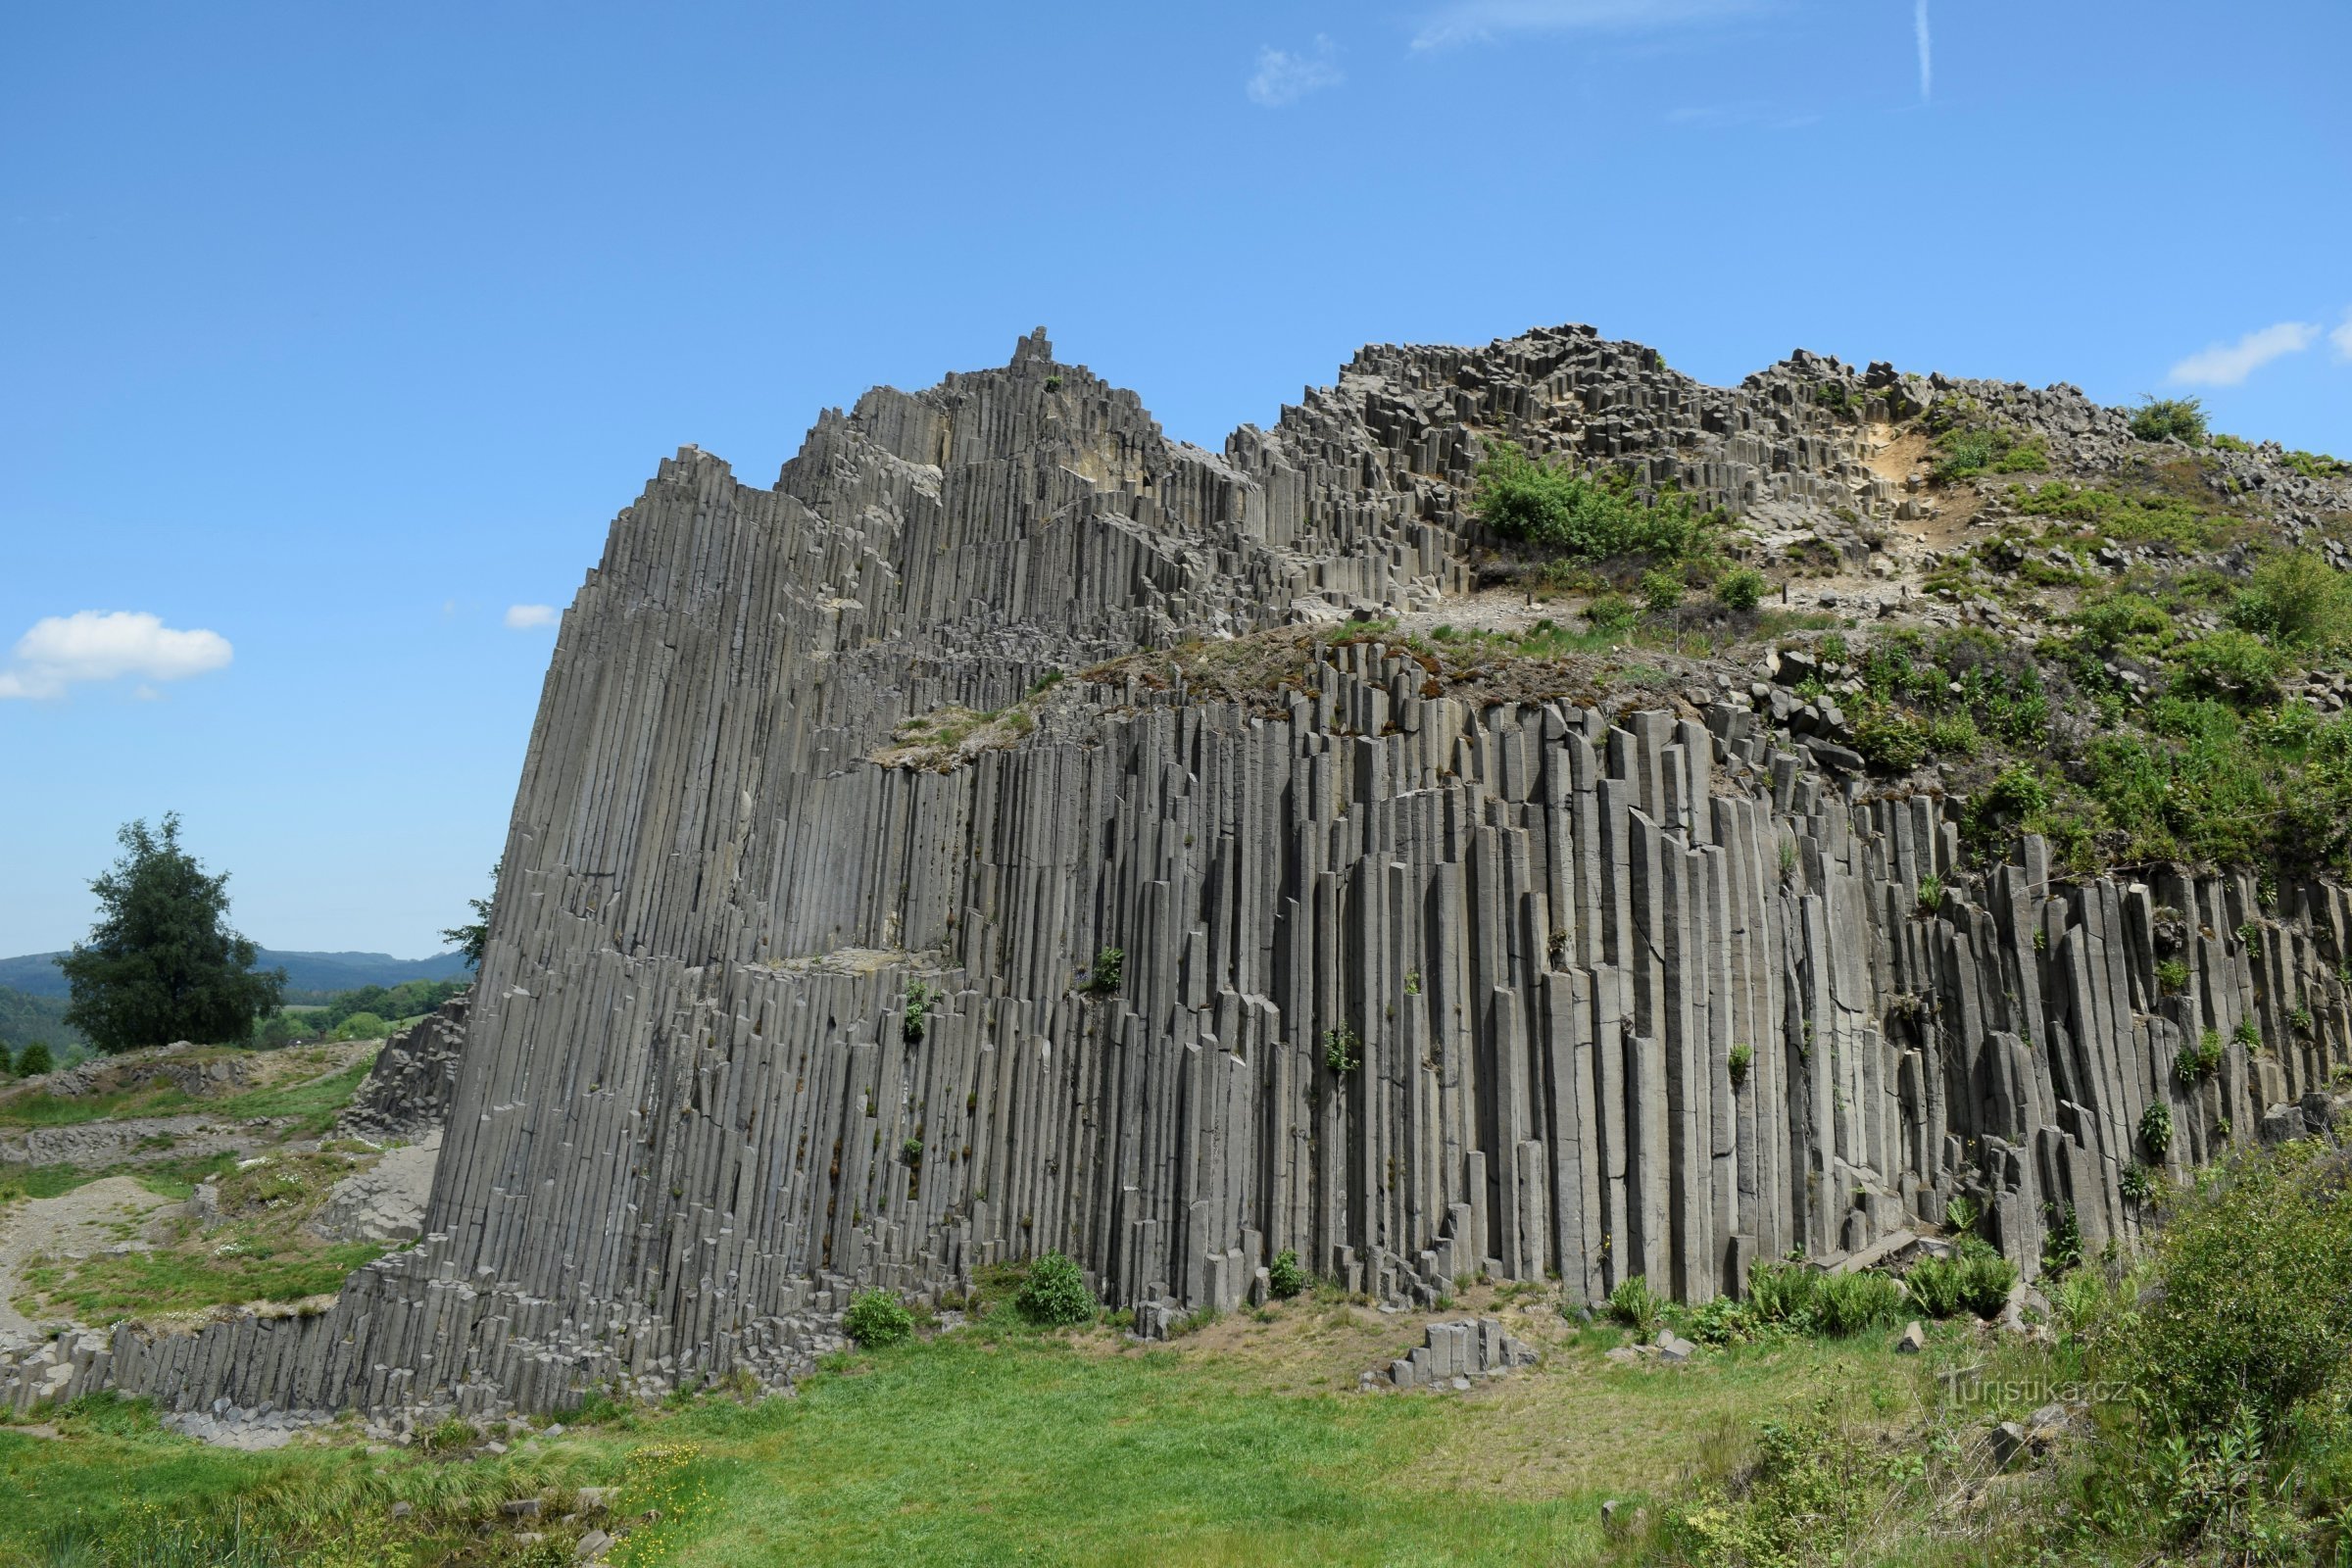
x: 26, y: 1019
x: 310, y: 977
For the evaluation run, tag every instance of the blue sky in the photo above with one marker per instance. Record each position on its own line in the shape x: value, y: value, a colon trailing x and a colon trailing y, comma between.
x: 337, y: 331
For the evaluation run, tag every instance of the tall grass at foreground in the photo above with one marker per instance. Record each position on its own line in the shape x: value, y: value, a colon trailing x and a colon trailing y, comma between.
x: 2211, y: 1421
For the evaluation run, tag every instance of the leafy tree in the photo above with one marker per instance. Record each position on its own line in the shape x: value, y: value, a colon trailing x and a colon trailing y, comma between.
x: 2162, y: 418
x: 35, y: 1061
x: 472, y: 938
x: 162, y: 962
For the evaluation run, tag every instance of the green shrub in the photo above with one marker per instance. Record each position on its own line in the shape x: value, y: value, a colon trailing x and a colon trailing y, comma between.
x: 2061, y: 1241
x: 2255, y: 1309
x: 1847, y: 1303
x: 1583, y: 517
x: 1109, y: 969
x: 2168, y: 418
x: 2112, y: 619
x: 1934, y: 1284
x: 1985, y: 1277
x: 363, y: 1026
x: 2172, y: 976
x: 34, y: 1059
x: 916, y: 1017
x: 1611, y: 614
x: 2231, y: 666
x: 877, y: 1319
x: 2295, y: 598
x: 1742, y: 1057
x: 2027, y: 457
x: 1661, y: 590
x: 1055, y: 1292
x: 2314, y: 465
x: 1342, y: 1051
x: 1782, y: 1292
x: 1961, y: 1214
x: 2156, y: 1129
x: 2137, y: 1184
x: 1739, y: 588
x: 1930, y: 893
x: 1638, y: 1307
x: 2201, y: 1061
x: 1812, y: 1489
x: 1723, y: 1321
x: 1284, y: 1277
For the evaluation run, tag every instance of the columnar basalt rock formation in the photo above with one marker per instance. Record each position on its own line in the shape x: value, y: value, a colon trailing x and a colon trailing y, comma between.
x: 1414, y: 980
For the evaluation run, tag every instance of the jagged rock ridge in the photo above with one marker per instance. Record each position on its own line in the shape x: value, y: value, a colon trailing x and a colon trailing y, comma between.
x: 1412, y: 983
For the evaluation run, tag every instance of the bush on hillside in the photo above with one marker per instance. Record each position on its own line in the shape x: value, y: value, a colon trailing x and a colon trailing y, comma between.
x: 1739, y: 588
x: 877, y: 1319
x: 1284, y: 1277
x: 2297, y: 600
x: 361, y: 1026
x: 2254, y: 1310
x: 2170, y: 418
x: 1636, y: 1305
x: 1584, y: 517
x: 35, y: 1059
x: 1055, y: 1292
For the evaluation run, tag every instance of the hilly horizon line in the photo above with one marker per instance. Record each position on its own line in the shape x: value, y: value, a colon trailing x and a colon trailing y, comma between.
x: 37, y: 974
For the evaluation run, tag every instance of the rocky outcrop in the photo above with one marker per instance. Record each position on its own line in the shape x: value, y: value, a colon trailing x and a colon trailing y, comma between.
x: 407, y: 1092
x: 1451, y: 1354
x: 1180, y: 971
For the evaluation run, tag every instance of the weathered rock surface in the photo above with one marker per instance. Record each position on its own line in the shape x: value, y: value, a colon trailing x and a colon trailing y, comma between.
x: 1413, y: 983
x: 407, y: 1092
x: 1473, y: 1348
x: 384, y: 1203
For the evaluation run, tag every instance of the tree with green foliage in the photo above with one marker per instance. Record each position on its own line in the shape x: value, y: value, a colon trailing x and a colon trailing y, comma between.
x: 2166, y: 419
x: 35, y: 1061
x: 1584, y: 518
x: 162, y: 963
x: 473, y: 936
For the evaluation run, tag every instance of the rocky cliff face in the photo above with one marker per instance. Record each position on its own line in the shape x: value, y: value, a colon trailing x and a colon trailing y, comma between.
x: 874, y: 910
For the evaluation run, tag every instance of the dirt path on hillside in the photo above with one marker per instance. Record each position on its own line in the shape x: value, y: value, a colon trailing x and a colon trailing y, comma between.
x: 113, y: 1212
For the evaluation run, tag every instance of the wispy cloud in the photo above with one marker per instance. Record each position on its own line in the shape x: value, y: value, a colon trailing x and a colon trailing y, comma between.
x: 2341, y: 338
x: 94, y: 644
x: 2229, y: 363
x: 523, y: 618
x: 1483, y: 20
x: 1927, y: 50
x: 1283, y: 77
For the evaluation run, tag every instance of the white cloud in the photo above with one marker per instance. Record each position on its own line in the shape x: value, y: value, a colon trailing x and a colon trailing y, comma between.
x: 1927, y: 50
x: 2229, y: 363
x: 104, y: 644
x: 1284, y: 78
x: 523, y: 618
x: 2341, y: 338
x: 1482, y: 21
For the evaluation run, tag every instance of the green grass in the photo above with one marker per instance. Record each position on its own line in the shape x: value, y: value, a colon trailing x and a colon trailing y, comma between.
x: 1007, y: 1444
x: 314, y: 1101
x: 104, y: 1289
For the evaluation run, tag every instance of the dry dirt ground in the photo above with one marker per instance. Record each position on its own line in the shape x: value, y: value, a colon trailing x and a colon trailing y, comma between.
x: 114, y: 1213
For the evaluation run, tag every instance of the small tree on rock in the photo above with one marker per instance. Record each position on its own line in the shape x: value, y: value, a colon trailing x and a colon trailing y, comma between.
x: 162, y: 963
x: 473, y: 936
